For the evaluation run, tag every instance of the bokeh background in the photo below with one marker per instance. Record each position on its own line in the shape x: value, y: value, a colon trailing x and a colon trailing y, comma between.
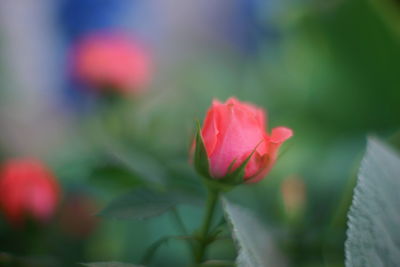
x: 327, y: 69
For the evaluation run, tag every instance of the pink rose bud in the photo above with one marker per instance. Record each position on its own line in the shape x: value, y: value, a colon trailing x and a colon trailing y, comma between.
x: 27, y: 190
x: 111, y: 61
x: 234, y: 132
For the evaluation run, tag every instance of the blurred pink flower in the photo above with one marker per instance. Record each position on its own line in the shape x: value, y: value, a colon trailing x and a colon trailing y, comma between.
x: 111, y: 61
x: 27, y: 190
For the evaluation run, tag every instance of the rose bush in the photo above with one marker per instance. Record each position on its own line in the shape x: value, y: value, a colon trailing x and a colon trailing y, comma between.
x: 232, y: 131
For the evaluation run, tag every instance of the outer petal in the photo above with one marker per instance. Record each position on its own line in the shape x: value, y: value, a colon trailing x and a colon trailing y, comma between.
x: 267, y: 165
x: 210, y: 131
x: 256, y: 165
x: 278, y: 136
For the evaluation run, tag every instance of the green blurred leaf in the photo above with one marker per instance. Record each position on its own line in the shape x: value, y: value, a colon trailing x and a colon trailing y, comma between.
x: 144, y: 203
x: 256, y: 247
x: 143, y: 165
x: 373, y: 237
x: 390, y: 12
x: 110, y: 264
x: 114, y: 177
x: 200, y: 154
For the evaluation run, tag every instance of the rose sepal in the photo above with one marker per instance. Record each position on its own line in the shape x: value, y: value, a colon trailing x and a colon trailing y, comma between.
x: 201, y: 162
x: 236, y: 177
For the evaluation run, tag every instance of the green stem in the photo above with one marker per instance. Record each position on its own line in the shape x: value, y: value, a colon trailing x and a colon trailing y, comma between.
x: 203, y: 237
x: 179, y: 221
x: 182, y: 227
x: 152, y: 249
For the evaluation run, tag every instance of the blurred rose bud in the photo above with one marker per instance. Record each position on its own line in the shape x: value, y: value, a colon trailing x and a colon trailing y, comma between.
x: 234, y: 136
x: 27, y: 190
x: 111, y: 61
x: 77, y: 217
x: 293, y: 192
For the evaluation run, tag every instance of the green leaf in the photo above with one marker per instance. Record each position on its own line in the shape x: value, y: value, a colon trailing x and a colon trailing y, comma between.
x: 112, y: 176
x: 373, y: 237
x: 201, y: 163
x: 256, y: 247
x: 143, y: 203
x: 110, y: 264
x: 141, y: 164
